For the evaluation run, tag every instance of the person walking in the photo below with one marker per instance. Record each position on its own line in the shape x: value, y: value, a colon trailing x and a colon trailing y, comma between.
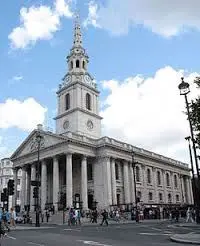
x: 189, y: 216
x: 5, y: 218
x: 105, y: 217
x: 12, y: 217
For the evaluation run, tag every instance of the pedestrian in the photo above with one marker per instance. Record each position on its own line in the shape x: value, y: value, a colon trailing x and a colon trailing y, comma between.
x: 47, y: 215
x: 5, y: 219
x: 105, y: 217
x: 12, y: 217
x: 2, y: 231
x: 189, y: 216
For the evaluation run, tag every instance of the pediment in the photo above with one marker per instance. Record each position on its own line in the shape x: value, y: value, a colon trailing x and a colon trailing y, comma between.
x: 30, y: 144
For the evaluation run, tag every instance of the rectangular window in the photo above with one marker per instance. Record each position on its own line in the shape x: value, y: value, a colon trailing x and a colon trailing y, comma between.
x: 18, y: 181
x: 18, y: 195
x: 90, y: 172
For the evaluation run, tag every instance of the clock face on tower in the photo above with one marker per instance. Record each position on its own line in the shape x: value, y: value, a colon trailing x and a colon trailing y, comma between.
x: 87, y: 79
x: 90, y: 125
x: 66, y: 124
x: 68, y: 79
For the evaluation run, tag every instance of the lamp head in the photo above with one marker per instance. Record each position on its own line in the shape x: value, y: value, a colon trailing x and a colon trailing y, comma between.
x: 38, y: 137
x: 188, y: 138
x: 184, y: 87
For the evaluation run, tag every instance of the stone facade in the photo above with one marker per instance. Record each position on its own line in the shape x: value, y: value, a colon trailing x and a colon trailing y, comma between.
x: 6, y: 173
x: 77, y: 162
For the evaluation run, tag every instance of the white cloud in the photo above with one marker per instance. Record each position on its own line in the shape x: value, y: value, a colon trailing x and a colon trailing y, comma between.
x: 92, y: 18
x: 148, y: 112
x: 38, y: 23
x: 17, y: 78
x: 24, y: 115
x: 167, y: 18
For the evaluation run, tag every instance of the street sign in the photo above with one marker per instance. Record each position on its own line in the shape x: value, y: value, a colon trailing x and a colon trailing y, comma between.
x: 35, y: 183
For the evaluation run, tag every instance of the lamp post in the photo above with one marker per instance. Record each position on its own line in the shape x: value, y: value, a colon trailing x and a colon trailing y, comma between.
x: 135, y: 189
x: 184, y: 90
x: 38, y: 140
x: 192, y: 169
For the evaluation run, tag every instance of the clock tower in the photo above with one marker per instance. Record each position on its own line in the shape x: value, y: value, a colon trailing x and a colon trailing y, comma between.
x: 78, y: 97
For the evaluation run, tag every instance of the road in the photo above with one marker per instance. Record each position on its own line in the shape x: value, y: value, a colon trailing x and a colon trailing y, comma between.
x: 145, y: 234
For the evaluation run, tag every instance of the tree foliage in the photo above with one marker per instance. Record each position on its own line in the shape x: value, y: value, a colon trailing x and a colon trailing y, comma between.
x: 195, y: 114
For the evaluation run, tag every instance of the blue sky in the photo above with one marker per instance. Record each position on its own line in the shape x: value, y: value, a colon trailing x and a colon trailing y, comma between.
x: 135, y: 53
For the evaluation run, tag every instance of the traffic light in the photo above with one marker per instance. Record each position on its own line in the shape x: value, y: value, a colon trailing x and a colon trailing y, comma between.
x: 11, y: 187
x: 4, y: 195
x: 35, y: 192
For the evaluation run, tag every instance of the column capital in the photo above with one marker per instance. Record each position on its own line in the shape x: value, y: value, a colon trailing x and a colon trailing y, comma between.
x: 84, y: 157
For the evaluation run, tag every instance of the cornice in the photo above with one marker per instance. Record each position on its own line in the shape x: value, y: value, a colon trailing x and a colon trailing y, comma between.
x: 78, y: 109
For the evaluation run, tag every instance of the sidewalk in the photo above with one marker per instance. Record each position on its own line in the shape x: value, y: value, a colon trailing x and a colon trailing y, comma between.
x: 85, y: 222
x: 189, y: 238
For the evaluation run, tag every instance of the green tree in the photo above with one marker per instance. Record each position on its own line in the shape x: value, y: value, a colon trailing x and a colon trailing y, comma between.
x: 195, y: 114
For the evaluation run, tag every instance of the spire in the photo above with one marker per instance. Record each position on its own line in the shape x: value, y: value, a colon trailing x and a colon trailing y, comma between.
x: 77, y: 32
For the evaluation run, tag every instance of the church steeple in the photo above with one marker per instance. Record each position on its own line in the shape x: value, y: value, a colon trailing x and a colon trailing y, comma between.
x: 78, y: 97
x: 77, y: 32
x: 78, y: 60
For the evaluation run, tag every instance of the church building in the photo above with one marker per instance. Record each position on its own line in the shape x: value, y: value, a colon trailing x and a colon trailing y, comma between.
x: 79, y: 167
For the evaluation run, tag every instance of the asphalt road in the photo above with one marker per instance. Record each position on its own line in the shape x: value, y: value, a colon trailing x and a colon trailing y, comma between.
x: 143, y: 234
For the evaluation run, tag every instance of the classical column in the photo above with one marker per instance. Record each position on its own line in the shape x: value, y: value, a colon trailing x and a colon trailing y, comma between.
x: 188, y: 189
x: 69, y: 184
x: 55, y: 181
x: 107, y: 181
x: 132, y: 184
x: 183, y: 198
x: 144, y: 195
x: 33, y: 176
x: 126, y: 183
x: 164, y: 186
x: 173, y: 188
x: 114, y: 190
x: 84, y: 191
x: 43, y: 184
x: 28, y: 186
x: 23, y: 187
x: 14, y: 197
x: 154, y: 174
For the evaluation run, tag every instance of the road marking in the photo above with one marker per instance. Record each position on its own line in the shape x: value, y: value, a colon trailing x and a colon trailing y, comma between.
x: 155, y: 234
x: 156, y: 229
x: 71, y: 230
x: 93, y: 243
x: 36, y: 244
x: 13, y: 238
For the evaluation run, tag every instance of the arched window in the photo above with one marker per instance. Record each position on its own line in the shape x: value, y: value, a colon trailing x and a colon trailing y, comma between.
x: 158, y: 178
x: 148, y: 176
x: 150, y: 196
x: 139, y: 194
x: 175, y: 181
x: 88, y: 101
x: 84, y: 64
x: 137, y: 172
x: 77, y: 63
x: 169, y: 198
x: 160, y: 197
x: 116, y: 171
x: 67, y: 101
x: 167, y: 179
x: 71, y: 64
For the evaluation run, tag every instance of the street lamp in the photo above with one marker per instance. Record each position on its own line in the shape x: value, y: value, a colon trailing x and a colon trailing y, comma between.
x: 184, y: 90
x: 38, y: 140
x: 135, y: 189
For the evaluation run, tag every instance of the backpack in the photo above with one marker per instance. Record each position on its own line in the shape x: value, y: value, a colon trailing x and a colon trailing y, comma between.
x: 4, y: 217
